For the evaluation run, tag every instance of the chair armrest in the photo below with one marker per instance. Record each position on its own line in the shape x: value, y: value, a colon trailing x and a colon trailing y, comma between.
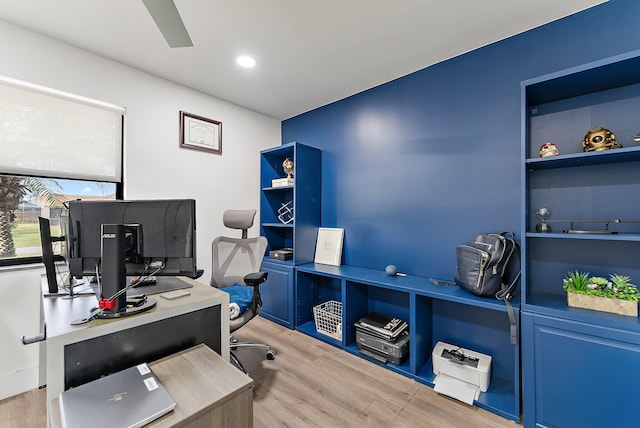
x: 255, y: 278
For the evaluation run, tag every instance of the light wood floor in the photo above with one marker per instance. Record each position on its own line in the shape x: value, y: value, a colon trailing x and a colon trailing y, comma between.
x: 312, y: 384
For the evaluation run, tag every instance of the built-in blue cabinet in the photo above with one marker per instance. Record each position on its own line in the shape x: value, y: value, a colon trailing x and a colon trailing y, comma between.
x: 582, y: 374
x: 289, y: 218
x: 434, y: 313
x: 278, y: 303
x: 579, y: 365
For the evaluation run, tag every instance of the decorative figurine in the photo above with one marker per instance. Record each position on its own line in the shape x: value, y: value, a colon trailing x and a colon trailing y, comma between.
x: 285, y: 212
x: 287, y: 165
x: 598, y: 139
x: 543, y: 214
x: 548, y: 150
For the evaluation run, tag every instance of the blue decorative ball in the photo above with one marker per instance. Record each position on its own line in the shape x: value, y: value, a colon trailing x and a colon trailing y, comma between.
x: 391, y: 270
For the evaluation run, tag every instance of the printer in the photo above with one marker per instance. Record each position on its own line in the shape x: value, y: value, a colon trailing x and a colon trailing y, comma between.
x: 460, y: 373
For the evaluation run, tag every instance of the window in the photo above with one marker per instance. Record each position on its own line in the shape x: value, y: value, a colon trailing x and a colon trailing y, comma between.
x: 54, y: 147
x: 24, y: 199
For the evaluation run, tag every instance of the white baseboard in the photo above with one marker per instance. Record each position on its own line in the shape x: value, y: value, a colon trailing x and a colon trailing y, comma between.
x: 18, y: 382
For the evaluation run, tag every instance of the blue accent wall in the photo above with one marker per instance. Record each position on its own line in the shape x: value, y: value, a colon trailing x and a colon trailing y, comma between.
x: 416, y: 166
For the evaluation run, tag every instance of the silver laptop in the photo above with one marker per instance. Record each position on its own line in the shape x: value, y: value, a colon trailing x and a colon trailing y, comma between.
x: 130, y: 398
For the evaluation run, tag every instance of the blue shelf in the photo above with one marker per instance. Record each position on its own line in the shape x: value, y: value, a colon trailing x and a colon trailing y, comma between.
x: 556, y: 306
x: 309, y: 328
x: 404, y: 368
x: 410, y: 284
x: 279, y: 225
x: 431, y: 316
x: 587, y: 236
x: 626, y: 154
x: 609, y: 73
x: 277, y: 189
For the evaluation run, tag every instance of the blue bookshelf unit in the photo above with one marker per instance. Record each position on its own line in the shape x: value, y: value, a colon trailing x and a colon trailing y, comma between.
x: 434, y: 313
x: 566, y: 351
x: 278, y: 295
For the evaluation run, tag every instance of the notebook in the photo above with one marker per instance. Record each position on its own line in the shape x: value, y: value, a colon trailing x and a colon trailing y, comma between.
x: 130, y: 398
x: 383, y: 326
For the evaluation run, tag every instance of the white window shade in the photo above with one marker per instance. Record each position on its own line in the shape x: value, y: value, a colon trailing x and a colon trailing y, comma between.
x: 47, y: 133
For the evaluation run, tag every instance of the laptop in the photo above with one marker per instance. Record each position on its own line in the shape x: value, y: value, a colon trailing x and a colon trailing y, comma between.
x: 130, y: 398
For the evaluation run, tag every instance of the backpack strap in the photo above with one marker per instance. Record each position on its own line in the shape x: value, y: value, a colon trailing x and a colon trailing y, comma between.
x: 512, y: 323
x: 504, y: 294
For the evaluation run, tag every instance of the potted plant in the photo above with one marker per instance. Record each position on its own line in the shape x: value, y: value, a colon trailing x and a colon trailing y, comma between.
x: 617, y: 294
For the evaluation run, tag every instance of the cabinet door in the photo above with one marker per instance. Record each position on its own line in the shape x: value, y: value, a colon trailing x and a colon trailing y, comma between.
x: 579, y: 375
x: 278, y: 293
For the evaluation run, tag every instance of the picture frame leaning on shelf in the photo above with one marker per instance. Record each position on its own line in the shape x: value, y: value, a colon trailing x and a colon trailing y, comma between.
x: 329, y: 246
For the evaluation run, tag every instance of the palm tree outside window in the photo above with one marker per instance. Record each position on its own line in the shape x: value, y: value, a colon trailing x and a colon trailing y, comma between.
x: 24, y: 199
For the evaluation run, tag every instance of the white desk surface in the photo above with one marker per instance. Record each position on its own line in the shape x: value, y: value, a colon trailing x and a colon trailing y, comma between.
x: 60, y: 311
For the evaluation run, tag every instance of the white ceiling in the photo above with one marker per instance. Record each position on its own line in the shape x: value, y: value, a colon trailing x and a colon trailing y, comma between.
x: 309, y: 53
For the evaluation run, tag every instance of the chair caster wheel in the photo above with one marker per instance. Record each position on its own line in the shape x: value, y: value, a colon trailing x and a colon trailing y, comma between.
x: 271, y: 355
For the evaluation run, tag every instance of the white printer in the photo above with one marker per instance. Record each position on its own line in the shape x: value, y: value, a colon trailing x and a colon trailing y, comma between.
x: 460, y: 373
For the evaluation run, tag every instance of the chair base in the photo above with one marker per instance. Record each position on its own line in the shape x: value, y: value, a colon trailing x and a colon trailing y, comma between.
x: 234, y: 344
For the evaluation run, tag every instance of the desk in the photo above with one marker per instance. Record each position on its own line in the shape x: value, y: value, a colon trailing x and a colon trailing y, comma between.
x: 79, y: 354
x: 208, y: 391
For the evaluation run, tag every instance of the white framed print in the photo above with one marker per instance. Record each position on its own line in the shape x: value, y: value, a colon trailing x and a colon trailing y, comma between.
x: 329, y: 246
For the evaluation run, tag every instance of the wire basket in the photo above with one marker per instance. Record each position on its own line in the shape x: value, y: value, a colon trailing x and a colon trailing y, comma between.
x: 328, y: 318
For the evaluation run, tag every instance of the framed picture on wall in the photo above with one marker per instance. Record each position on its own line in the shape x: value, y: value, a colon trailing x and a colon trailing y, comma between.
x: 200, y: 133
x: 329, y: 246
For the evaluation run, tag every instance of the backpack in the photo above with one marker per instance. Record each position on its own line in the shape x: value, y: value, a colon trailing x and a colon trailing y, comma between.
x: 485, y: 266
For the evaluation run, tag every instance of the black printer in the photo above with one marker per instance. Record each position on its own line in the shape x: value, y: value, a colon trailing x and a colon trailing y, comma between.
x: 383, y: 338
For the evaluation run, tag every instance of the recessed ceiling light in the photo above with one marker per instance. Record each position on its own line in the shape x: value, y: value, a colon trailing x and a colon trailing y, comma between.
x: 246, y: 61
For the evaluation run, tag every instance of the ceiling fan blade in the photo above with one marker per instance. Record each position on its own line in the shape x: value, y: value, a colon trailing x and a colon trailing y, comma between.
x: 166, y: 16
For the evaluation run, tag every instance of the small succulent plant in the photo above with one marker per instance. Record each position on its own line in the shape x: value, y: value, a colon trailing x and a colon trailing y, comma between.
x: 617, y: 287
x: 576, y: 281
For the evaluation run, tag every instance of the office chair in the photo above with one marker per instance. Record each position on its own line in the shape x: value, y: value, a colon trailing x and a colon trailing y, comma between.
x: 238, y: 261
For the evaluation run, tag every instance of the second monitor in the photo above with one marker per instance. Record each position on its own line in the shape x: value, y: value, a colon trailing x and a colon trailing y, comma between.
x: 154, y: 237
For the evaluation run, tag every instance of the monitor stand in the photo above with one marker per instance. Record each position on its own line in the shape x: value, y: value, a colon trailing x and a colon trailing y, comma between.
x: 50, y: 267
x: 114, y: 276
x: 149, y: 303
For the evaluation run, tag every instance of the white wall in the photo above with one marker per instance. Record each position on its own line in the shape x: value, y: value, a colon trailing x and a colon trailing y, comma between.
x: 155, y: 167
x: 19, y: 316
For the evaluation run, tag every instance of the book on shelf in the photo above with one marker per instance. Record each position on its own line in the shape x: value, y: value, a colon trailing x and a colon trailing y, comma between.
x: 282, y: 182
x: 382, y: 325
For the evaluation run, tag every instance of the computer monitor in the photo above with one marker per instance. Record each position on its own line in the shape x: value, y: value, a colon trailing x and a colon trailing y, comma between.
x: 46, y: 243
x: 160, y: 235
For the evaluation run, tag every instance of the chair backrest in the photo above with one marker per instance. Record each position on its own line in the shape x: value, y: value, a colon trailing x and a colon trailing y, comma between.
x: 233, y: 258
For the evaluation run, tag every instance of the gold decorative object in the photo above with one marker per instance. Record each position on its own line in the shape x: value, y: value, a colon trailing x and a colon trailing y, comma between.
x: 287, y: 165
x: 598, y: 139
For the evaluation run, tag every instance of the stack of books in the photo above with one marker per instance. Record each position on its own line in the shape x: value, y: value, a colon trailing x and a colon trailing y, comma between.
x: 384, y: 338
x: 382, y: 326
